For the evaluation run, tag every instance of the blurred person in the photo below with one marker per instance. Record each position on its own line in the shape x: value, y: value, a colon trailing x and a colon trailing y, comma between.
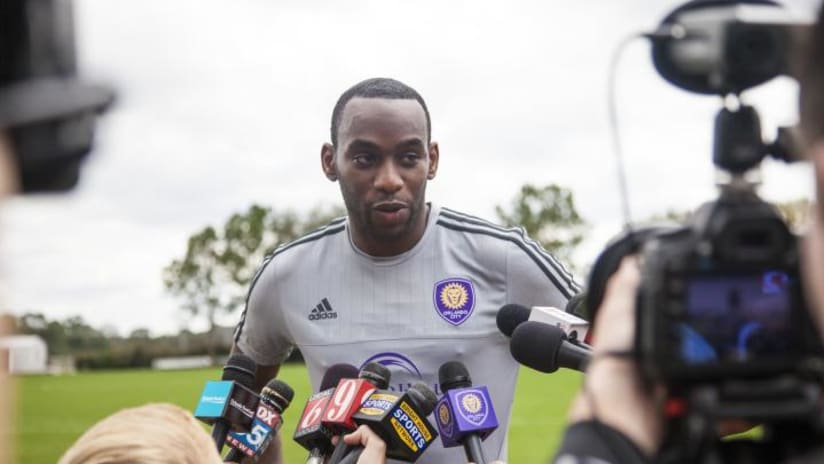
x: 155, y: 433
x: 47, y: 119
x: 616, y: 418
x: 399, y: 280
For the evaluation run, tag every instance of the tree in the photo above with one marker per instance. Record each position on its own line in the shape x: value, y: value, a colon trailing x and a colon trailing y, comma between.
x: 549, y: 216
x: 214, y: 274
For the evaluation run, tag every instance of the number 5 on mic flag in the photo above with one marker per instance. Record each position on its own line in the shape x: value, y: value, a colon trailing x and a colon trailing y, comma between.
x: 265, y: 425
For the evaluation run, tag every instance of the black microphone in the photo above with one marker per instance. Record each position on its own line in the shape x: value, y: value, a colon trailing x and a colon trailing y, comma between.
x: 545, y: 348
x: 238, y: 378
x: 454, y: 375
x: 511, y: 316
x: 399, y: 419
x: 310, y: 432
x: 275, y: 397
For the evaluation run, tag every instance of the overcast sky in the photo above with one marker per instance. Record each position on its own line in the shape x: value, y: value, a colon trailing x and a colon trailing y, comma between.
x: 225, y: 103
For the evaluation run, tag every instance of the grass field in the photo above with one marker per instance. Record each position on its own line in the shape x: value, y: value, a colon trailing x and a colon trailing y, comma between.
x: 54, y: 411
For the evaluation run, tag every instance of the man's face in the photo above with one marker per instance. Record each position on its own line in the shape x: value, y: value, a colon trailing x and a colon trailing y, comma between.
x: 382, y: 161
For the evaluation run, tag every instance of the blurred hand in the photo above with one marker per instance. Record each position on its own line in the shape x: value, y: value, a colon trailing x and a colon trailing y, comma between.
x: 614, y: 393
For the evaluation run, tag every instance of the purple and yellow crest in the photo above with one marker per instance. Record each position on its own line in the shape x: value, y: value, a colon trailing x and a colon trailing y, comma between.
x: 472, y: 406
x: 454, y: 299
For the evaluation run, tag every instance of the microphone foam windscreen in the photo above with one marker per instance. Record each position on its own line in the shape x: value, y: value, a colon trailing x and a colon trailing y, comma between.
x: 453, y: 374
x: 241, y: 369
x: 510, y: 316
x: 376, y: 373
x: 279, y: 392
x: 536, y: 345
x: 423, y: 397
x: 336, y: 372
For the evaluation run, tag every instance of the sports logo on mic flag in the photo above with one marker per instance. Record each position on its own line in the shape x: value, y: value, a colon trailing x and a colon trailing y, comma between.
x: 471, y: 405
x: 454, y: 299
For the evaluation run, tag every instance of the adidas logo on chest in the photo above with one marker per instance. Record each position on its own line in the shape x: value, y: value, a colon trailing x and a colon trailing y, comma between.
x: 323, y: 310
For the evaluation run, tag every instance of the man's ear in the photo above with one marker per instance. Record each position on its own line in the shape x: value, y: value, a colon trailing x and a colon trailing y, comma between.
x: 434, y: 156
x: 327, y: 161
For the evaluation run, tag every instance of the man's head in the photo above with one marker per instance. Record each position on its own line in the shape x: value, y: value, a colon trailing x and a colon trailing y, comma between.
x: 383, y: 156
x: 378, y: 87
x: 811, y: 105
x: 152, y: 434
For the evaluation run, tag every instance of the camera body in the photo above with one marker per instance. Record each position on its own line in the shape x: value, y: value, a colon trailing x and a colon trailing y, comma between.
x: 721, y: 298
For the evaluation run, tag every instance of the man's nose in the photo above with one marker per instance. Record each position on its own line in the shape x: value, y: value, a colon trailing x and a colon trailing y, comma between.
x: 388, y: 178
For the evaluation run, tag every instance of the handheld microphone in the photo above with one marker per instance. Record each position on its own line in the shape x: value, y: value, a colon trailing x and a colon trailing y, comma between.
x: 348, y: 398
x: 545, y: 348
x: 400, y: 420
x: 511, y: 316
x: 310, y: 432
x: 274, y: 399
x: 465, y: 415
x: 229, y: 401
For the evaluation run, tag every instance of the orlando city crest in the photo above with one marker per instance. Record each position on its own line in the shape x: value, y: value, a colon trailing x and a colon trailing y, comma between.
x: 454, y: 300
x: 472, y: 407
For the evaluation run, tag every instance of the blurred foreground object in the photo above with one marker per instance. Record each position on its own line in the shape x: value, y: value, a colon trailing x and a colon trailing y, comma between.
x: 48, y: 113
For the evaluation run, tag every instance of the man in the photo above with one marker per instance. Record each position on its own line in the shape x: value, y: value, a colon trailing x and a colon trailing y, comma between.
x: 617, y: 420
x: 398, y: 281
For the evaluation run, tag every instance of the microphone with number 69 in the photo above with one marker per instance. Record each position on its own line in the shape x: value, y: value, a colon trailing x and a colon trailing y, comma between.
x: 274, y: 399
x: 310, y: 432
x: 545, y: 348
x: 348, y: 398
x: 229, y: 401
x: 464, y: 414
x: 399, y: 419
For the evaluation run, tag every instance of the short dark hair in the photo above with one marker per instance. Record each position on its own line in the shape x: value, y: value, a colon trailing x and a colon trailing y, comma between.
x: 377, y: 87
x: 811, y: 95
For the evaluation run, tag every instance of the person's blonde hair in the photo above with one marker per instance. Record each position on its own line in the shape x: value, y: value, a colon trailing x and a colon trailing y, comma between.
x: 155, y: 433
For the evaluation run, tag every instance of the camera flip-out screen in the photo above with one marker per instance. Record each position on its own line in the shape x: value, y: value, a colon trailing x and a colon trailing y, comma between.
x: 738, y: 318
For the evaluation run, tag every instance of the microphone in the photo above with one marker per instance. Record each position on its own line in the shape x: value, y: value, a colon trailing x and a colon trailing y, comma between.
x: 545, y: 348
x: 229, y: 401
x: 310, y: 432
x: 465, y: 413
x: 511, y: 316
x: 274, y: 399
x: 400, y: 420
x: 348, y: 398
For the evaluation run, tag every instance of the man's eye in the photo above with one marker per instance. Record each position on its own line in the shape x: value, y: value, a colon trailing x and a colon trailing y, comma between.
x: 364, y: 159
x: 410, y: 158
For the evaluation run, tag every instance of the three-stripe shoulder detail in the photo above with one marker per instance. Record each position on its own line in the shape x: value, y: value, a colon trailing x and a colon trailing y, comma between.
x: 551, y: 267
x: 334, y: 227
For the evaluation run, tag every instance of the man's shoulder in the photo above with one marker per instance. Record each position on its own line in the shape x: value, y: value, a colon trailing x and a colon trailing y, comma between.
x: 302, y: 248
x: 317, y: 237
x: 468, y: 224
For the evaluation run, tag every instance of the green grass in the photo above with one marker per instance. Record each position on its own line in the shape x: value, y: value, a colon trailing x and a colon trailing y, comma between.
x: 54, y: 411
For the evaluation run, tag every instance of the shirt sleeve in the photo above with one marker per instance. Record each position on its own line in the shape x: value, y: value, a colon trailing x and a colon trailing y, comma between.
x: 262, y: 332
x: 536, y: 278
x: 592, y: 442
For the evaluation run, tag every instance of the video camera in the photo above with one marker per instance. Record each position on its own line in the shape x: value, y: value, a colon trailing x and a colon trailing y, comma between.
x: 721, y: 317
x: 48, y: 113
